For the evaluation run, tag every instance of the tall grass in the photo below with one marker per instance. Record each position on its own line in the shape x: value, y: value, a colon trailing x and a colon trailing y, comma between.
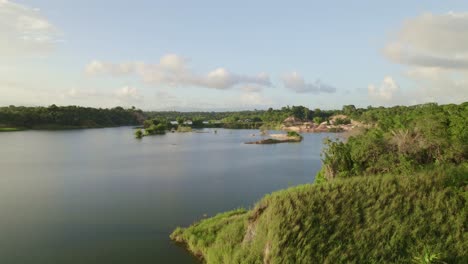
x: 387, y: 219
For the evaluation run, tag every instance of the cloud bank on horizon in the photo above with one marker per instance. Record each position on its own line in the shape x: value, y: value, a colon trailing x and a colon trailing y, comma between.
x: 431, y: 51
x: 434, y: 48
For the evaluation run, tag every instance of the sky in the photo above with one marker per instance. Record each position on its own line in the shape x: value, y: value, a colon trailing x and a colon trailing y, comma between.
x: 232, y: 55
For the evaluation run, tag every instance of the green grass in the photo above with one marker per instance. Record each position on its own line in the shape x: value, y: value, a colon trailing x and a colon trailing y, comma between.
x: 384, y: 219
x: 61, y: 127
x: 11, y: 129
x: 184, y: 129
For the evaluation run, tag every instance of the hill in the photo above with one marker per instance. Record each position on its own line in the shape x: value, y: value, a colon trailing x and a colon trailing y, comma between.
x: 386, y: 219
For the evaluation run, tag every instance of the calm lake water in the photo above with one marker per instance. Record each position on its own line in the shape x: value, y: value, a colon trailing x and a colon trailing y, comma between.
x: 101, y: 196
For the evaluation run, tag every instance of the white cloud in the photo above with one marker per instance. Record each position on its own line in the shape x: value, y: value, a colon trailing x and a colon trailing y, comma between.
x: 435, y: 47
x: 294, y: 81
x: 431, y: 40
x: 386, y: 91
x: 24, y: 30
x: 442, y: 85
x: 173, y: 70
x: 254, y: 99
x: 127, y: 93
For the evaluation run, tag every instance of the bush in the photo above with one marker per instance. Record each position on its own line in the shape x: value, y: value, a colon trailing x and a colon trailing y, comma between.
x: 342, y: 121
x: 293, y: 134
x: 158, y: 129
x: 138, y: 134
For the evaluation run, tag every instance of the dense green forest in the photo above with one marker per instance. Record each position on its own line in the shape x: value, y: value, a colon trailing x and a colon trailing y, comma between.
x: 62, y: 117
x: 59, y: 117
x: 403, y: 140
x: 158, y: 123
x: 394, y: 192
x: 270, y: 115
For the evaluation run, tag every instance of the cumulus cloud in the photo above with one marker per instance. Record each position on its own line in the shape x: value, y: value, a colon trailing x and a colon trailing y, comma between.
x: 24, y: 30
x: 431, y: 40
x: 255, y: 99
x: 174, y: 70
x: 295, y: 82
x: 386, y: 91
x: 435, y: 47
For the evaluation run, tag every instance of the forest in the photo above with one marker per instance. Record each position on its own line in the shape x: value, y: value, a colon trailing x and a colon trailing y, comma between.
x: 402, y: 140
x: 260, y: 116
x: 65, y: 117
x: 62, y: 117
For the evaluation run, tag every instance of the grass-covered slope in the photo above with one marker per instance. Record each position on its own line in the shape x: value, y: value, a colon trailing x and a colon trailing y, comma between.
x: 384, y: 219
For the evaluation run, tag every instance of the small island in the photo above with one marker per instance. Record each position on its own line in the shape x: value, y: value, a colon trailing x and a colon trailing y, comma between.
x: 290, y: 137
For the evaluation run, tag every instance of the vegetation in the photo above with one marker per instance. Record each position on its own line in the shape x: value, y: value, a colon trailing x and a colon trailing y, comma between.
x: 404, y: 139
x: 10, y: 129
x: 159, y: 129
x: 67, y: 117
x: 396, y: 193
x: 139, y: 134
x: 184, y: 129
x: 342, y: 121
x: 293, y: 134
x: 386, y: 219
x: 271, y: 118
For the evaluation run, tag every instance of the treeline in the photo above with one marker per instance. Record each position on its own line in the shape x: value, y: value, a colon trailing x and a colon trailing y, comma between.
x: 68, y: 117
x: 403, y: 140
x: 254, y: 116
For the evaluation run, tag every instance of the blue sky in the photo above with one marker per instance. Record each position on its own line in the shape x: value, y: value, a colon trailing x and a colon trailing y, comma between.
x: 234, y: 54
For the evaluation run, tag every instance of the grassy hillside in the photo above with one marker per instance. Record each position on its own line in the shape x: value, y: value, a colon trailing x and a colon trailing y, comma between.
x: 388, y: 219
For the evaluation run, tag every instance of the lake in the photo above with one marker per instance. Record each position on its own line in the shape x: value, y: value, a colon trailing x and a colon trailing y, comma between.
x: 102, y: 196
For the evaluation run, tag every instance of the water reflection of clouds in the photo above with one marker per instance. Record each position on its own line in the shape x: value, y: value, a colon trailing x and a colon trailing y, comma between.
x: 64, y: 188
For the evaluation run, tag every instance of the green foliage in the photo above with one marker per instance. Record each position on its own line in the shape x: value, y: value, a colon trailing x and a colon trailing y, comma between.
x: 197, y: 122
x: 139, y: 134
x: 10, y: 129
x: 342, y: 121
x: 59, y: 117
x: 293, y: 134
x: 270, y: 116
x: 428, y: 257
x: 318, y: 120
x: 184, y: 129
x: 387, y: 219
x: 158, y: 129
x: 349, y: 109
x: 406, y: 139
x: 180, y: 120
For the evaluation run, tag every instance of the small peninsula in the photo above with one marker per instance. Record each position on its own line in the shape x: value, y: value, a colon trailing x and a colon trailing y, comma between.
x: 396, y: 192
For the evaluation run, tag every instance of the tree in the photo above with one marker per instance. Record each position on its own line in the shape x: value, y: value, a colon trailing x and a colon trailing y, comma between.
x: 318, y: 120
x: 349, y: 109
x: 180, y: 120
x: 138, y: 133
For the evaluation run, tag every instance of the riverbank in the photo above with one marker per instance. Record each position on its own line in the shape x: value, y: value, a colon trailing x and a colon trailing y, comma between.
x: 50, y: 127
x: 11, y: 129
x: 389, y: 219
